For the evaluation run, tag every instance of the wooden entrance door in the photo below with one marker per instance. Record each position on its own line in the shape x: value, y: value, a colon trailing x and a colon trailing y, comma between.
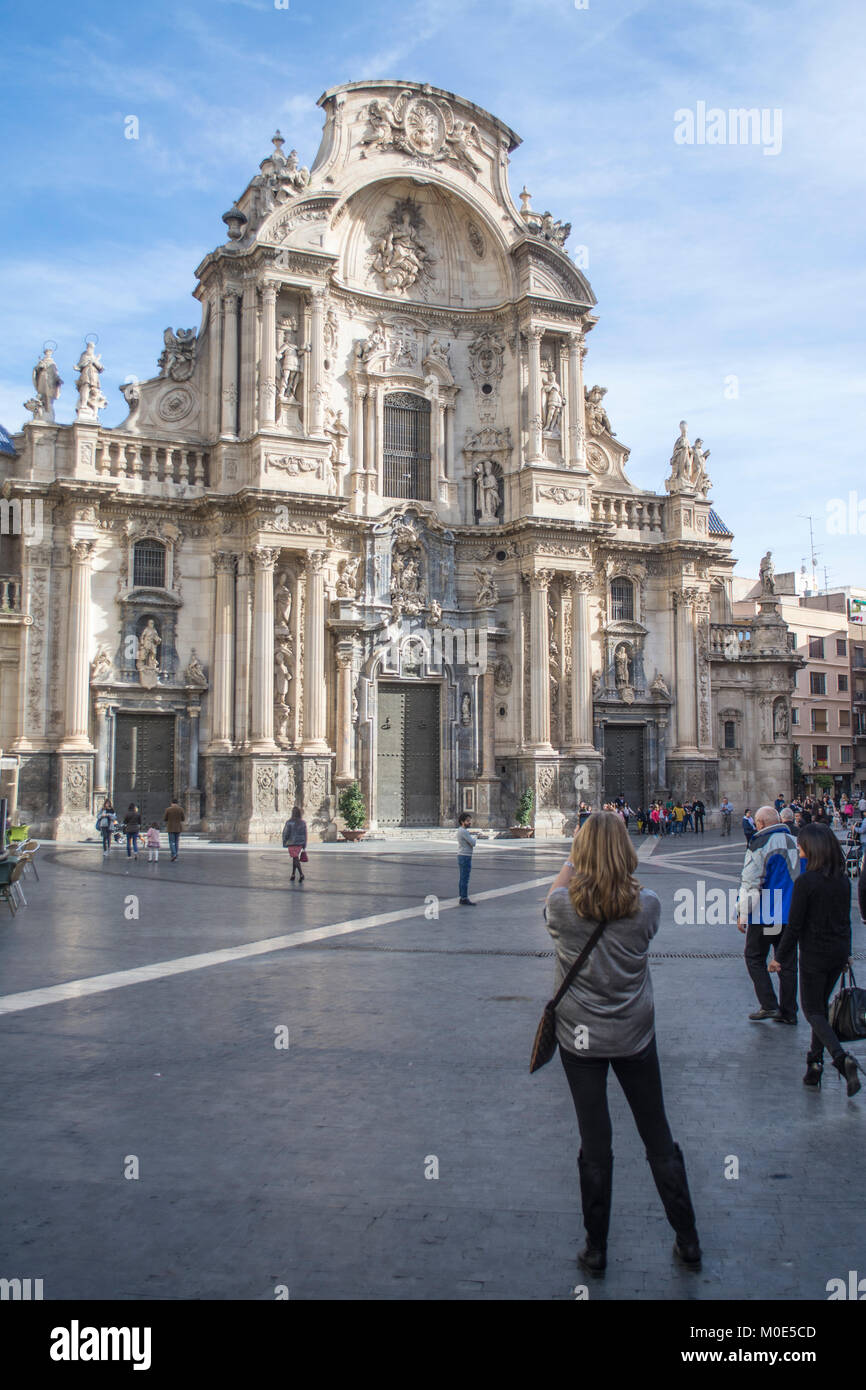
x: 144, y: 764
x: 407, y: 773
x: 624, y: 763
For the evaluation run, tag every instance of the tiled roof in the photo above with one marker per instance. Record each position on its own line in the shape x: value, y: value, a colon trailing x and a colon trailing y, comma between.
x: 717, y: 526
x: 6, y: 445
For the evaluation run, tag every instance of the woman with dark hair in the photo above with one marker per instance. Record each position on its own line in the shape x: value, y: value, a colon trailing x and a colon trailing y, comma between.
x: 295, y: 840
x: 819, y: 922
x: 607, y: 1019
x: 132, y: 830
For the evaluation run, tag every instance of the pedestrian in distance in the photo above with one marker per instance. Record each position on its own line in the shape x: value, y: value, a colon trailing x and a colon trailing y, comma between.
x: 770, y: 870
x: 606, y: 1019
x: 174, y: 817
x: 295, y: 841
x: 106, y: 824
x: 152, y: 841
x: 819, y: 924
x: 132, y: 830
x: 749, y: 826
x: 678, y: 818
x: 699, y: 813
x: 688, y: 824
x: 466, y: 843
x: 727, y: 811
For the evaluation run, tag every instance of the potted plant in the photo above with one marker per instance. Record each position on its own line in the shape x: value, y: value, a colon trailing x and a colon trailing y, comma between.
x: 523, y: 830
x: 354, y: 812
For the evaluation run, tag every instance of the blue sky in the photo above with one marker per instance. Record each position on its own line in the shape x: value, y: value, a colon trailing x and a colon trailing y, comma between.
x: 708, y: 261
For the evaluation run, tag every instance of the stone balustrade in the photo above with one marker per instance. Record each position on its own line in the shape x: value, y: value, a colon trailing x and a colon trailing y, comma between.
x: 629, y: 513
x: 730, y: 639
x: 10, y: 594
x: 131, y: 460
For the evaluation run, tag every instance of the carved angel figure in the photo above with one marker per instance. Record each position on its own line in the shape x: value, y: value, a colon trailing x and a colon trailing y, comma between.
x: 381, y: 122
x: 487, y: 593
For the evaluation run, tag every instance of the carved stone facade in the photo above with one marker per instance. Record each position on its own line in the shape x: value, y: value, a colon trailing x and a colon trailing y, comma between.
x: 367, y: 522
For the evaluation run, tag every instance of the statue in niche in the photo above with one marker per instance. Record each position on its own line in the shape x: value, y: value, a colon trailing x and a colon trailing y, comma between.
x: 282, y: 674
x: 780, y: 720
x: 288, y: 365
x: 767, y: 575
x: 399, y: 255
x: 466, y: 711
x: 621, y: 665
x: 597, y: 685
x: 347, y: 581
x: 195, y: 672
x: 487, y: 594
x: 552, y: 399
x: 330, y: 331
x: 681, y: 462
x: 46, y: 380
x: 337, y: 431
x: 700, y: 477
x: 147, y: 660
x: 596, y: 416
x: 282, y: 601
x: 90, y: 398
x: 487, y: 491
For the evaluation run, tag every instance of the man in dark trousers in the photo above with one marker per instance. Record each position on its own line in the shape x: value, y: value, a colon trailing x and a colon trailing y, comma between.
x: 771, y: 865
x: 174, y: 818
x: 699, y: 809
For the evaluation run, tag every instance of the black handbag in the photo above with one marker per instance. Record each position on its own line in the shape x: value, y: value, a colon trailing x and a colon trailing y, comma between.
x: 544, y: 1044
x: 848, y: 1011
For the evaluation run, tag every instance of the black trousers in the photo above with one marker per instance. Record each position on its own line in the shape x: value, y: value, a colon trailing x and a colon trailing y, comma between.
x: 817, y: 982
x: 641, y: 1082
x: 757, y: 949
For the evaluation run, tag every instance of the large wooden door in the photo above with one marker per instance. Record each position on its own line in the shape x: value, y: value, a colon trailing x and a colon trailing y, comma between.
x: 407, y: 774
x: 144, y: 764
x: 623, y: 763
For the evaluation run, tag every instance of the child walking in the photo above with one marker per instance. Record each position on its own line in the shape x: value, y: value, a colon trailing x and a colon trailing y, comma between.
x: 153, y: 843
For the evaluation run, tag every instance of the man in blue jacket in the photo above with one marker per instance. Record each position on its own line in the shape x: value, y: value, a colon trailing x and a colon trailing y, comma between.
x: 770, y: 868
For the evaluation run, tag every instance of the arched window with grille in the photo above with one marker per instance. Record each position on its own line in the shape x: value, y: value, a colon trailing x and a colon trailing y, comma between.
x: 407, y: 446
x: 621, y: 601
x: 148, y: 565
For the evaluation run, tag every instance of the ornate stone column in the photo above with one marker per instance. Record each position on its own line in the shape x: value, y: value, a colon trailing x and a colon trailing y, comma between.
x: 535, y: 422
x: 229, y: 393
x: 101, y: 787
x: 194, y: 711
x: 262, y: 722
x: 315, y: 707
x: 77, y: 713
x: 449, y: 441
x: 356, y: 483
x: 247, y: 370
x: 488, y: 740
x: 345, y: 730
x: 687, y: 728
x: 318, y: 388
x: 581, y: 663
x: 371, y: 463
x: 576, y: 404
x: 223, y: 652
x: 539, y: 713
x: 268, y: 379
x: 242, y: 648
x: 438, y: 449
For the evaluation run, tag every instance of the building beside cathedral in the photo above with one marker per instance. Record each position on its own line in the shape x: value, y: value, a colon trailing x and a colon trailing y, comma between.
x: 369, y: 521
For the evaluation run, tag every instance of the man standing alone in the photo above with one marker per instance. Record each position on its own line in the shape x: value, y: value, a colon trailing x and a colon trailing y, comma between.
x: 771, y: 865
x: 465, y: 845
x: 727, y: 811
x: 174, y: 818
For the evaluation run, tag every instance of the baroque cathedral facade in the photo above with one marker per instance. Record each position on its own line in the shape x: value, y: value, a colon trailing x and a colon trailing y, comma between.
x: 370, y: 522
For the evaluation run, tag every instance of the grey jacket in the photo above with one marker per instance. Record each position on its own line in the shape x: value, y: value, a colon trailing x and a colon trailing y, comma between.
x: 295, y: 833
x: 612, y: 997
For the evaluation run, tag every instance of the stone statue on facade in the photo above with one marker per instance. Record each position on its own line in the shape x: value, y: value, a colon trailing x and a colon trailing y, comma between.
x: 147, y: 661
x: 780, y: 720
x: 347, y: 580
x: 46, y: 380
x: 131, y: 393
x: 178, y: 356
x: 376, y: 342
x: 195, y: 671
x: 731, y: 646
x: 597, y: 421
x: 552, y: 399
x: 440, y: 352
x: 466, y: 711
x: 282, y: 674
x: 282, y: 601
x: 659, y: 688
x: 767, y: 575
x: 680, y: 478
x: 487, y: 492
x: 700, y: 476
x: 90, y: 397
x: 487, y: 593
x: 620, y: 662
x: 101, y: 664
x: 288, y: 365
x: 435, y: 613
x: 337, y: 431
x: 400, y: 257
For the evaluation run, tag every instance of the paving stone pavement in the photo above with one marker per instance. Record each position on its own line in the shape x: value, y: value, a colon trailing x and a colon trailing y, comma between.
x: 408, y: 1042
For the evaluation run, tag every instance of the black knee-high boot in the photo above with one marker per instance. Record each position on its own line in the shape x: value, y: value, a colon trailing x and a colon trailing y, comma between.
x: 596, y: 1187
x: 673, y: 1188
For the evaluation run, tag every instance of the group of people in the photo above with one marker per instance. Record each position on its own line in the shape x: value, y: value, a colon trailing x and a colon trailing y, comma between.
x: 111, y: 828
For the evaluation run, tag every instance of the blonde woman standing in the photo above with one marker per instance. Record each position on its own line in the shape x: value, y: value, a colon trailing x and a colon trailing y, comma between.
x: 606, y: 1019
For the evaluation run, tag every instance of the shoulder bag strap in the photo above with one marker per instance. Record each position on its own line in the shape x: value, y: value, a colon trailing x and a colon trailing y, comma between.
x: 578, y: 964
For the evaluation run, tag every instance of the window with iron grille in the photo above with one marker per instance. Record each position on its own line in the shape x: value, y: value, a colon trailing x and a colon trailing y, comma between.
x: 842, y: 683
x: 730, y: 733
x: 407, y: 446
x: 622, y: 600
x: 817, y: 683
x: 148, y: 565
x: 841, y: 646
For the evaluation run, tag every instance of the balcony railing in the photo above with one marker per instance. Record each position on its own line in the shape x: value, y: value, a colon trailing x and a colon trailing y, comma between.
x: 730, y: 639
x: 629, y: 513
x: 10, y: 594
x: 133, y: 460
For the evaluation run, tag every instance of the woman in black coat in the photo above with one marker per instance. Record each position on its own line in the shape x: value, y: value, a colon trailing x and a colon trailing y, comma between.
x: 819, y: 921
